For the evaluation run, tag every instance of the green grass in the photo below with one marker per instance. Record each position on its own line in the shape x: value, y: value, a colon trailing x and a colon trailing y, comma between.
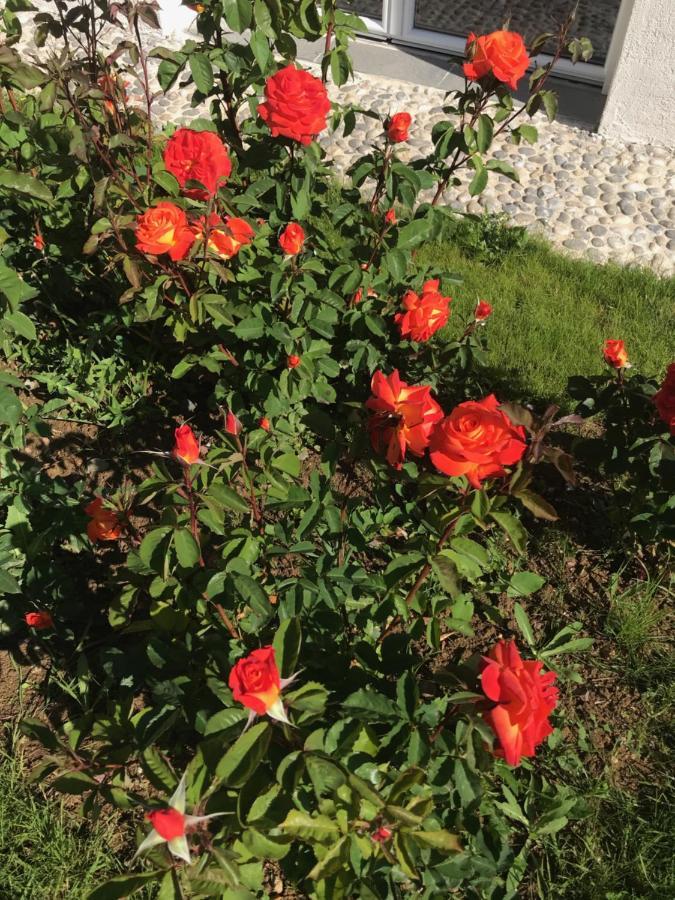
x: 44, y: 854
x: 553, y: 313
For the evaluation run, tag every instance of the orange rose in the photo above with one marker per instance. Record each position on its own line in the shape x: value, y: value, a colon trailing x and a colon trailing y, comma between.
x: 256, y: 684
x: 477, y: 440
x: 198, y: 156
x: 397, y: 127
x: 104, y: 524
x: 664, y: 399
x: 164, y: 229
x: 225, y: 239
x: 187, y: 448
x: 425, y: 313
x: 39, y: 620
x: 292, y: 239
x: 524, y: 697
x: 483, y: 311
x: 501, y: 53
x: 296, y: 105
x: 403, y: 417
x: 616, y: 355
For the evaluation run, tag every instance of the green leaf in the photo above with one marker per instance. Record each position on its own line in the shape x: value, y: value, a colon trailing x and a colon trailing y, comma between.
x: 221, y: 493
x: 288, y: 463
x: 439, y: 840
x: 266, y: 846
x: 484, y: 133
x: 504, y: 168
x: 8, y: 583
x: 122, y: 886
x: 310, y: 828
x: 238, y: 14
x: 286, y: 645
x: 187, y: 548
x: 244, y: 756
x: 331, y: 862
x: 514, y: 530
x: 253, y: 594
x: 74, y: 783
x: 539, y: 507
x: 202, y: 72
x: 153, y: 549
x: 371, y: 706
x: 261, y: 50
x: 478, y: 182
x: 311, y: 698
x: 522, y: 584
x: 528, y: 133
x: 25, y: 184
x: 225, y: 719
x: 523, y: 623
x: 21, y: 324
x: 157, y: 771
x: 11, y: 409
x: 550, y: 101
x: 413, y: 234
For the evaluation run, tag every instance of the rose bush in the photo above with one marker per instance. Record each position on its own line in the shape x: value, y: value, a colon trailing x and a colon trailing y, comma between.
x: 295, y: 533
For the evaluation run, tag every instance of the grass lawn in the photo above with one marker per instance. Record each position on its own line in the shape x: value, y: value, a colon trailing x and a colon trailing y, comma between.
x: 553, y: 313
x: 44, y: 855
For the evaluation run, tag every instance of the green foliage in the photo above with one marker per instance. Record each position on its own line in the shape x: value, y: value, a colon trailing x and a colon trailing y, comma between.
x: 374, y: 773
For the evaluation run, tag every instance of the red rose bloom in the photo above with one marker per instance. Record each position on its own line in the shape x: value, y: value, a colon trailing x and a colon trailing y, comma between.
x: 292, y: 239
x: 501, y: 53
x: 198, y: 156
x: 168, y: 823
x: 104, y: 524
x: 664, y: 399
x: 403, y: 417
x: 615, y: 354
x: 397, y: 127
x: 39, y: 620
x: 425, y: 313
x: 255, y: 680
x: 187, y: 448
x: 223, y: 238
x: 524, y: 698
x: 296, y: 105
x: 483, y: 311
x: 293, y: 361
x: 164, y: 229
x: 477, y: 439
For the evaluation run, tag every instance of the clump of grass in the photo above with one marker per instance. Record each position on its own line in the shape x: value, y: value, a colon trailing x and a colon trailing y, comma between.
x: 553, y: 313
x: 44, y: 854
x: 637, y: 616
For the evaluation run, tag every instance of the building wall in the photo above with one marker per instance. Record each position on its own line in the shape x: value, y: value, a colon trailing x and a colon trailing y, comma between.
x: 641, y: 98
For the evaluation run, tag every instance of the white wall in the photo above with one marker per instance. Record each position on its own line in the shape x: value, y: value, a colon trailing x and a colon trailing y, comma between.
x: 641, y: 98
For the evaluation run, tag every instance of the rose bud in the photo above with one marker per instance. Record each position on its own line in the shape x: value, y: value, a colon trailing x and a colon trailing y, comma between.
x: 264, y: 423
x: 390, y: 216
x: 293, y: 361
x: 483, y: 311
x: 39, y: 620
x: 186, y: 450
x: 39, y: 242
x: 292, y: 239
x: 232, y: 423
x: 616, y: 355
x: 381, y: 835
x: 171, y: 825
x: 397, y: 127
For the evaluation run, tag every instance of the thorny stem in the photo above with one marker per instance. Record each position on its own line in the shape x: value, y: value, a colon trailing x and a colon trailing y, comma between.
x: 327, y: 45
x: 194, y: 527
x: 255, y: 509
x: 426, y: 568
x: 386, y: 159
x: 230, y: 111
x: 146, y: 91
